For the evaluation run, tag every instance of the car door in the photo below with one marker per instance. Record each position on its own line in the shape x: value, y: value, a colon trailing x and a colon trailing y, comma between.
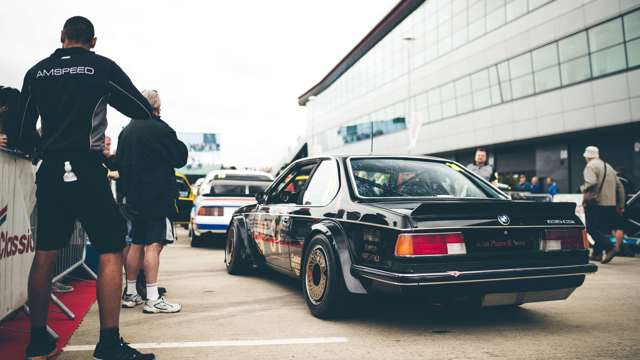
x: 321, y: 189
x: 272, y: 220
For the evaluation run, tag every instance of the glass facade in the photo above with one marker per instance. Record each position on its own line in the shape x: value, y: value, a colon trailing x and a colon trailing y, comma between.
x: 439, y: 27
x: 601, y: 50
x: 386, y: 121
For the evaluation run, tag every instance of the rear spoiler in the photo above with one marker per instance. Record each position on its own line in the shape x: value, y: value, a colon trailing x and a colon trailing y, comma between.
x: 444, y: 209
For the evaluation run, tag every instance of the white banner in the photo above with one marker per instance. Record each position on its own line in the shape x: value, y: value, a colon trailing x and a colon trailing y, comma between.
x: 17, y: 248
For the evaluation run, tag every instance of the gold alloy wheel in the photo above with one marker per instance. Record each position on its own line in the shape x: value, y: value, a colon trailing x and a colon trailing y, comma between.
x: 316, y: 274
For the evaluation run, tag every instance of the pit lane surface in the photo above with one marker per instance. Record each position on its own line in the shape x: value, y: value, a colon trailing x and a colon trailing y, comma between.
x: 265, y: 317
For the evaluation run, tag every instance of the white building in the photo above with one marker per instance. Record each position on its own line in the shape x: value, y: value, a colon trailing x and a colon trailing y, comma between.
x: 533, y: 81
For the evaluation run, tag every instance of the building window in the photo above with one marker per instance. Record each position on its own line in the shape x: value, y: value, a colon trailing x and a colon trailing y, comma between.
x: 495, y: 14
x: 632, y: 26
x: 522, y: 86
x: 575, y: 65
x: 481, y: 90
x: 633, y: 52
x: 575, y: 71
x: 463, y: 95
x: 516, y: 8
x: 505, y: 83
x: 545, y: 67
x: 573, y: 46
x: 547, y: 79
x: 607, y: 61
x: 605, y: 35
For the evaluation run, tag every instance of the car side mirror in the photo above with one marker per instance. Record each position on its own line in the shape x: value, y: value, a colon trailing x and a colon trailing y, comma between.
x: 261, y: 197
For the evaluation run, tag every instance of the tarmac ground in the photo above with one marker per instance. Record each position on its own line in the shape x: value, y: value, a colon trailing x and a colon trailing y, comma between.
x: 264, y: 316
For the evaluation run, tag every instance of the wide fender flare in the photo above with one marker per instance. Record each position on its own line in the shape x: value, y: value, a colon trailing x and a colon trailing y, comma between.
x: 244, y: 234
x: 337, y: 236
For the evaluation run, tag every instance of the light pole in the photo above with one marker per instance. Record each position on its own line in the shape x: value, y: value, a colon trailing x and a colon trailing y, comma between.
x: 311, y: 147
x: 409, y: 39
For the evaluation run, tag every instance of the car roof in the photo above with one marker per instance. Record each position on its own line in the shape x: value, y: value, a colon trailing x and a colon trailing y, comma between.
x: 239, y: 182
x: 213, y: 173
x: 364, y: 156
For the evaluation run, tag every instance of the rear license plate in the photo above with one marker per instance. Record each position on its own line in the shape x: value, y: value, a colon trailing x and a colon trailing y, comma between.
x: 501, y: 244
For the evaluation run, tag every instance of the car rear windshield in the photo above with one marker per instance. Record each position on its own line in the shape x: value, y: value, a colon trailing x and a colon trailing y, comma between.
x: 235, y: 190
x: 397, y: 177
x: 254, y: 189
x: 248, y: 190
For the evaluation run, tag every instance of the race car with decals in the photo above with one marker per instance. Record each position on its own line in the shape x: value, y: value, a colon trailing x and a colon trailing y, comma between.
x: 347, y: 225
x: 221, y: 193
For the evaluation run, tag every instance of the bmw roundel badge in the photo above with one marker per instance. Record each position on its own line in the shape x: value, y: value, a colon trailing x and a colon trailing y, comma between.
x: 504, y: 219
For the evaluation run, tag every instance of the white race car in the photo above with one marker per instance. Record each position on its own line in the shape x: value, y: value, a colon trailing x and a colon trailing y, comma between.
x: 219, y: 196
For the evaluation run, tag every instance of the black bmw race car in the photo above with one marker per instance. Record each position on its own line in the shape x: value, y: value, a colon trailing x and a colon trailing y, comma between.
x: 359, y: 224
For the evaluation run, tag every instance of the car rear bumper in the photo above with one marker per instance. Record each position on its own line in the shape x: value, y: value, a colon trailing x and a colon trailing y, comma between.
x: 494, y: 287
x: 469, y: 277
x: 201, y: 229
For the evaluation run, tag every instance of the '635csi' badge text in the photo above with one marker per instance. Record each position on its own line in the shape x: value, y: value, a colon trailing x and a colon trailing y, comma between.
x: 560, y: 222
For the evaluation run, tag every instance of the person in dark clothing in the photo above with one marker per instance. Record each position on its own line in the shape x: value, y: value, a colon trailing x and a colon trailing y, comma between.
x: 536, y: 185
x: 552, y: 186
x: 9, y: 104
x: 523, y: 184
x: 70, y: 91
x: 148, y: 153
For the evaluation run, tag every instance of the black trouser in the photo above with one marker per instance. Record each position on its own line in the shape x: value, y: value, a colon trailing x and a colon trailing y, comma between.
x: 600, y: 220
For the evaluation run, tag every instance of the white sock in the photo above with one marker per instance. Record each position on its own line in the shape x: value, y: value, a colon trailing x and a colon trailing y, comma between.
x: 131, y: 287
x: 152, y: 292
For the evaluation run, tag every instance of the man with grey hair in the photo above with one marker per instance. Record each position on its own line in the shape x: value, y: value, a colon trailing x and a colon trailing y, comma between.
x: 148, y: 152
x: 603, y: 198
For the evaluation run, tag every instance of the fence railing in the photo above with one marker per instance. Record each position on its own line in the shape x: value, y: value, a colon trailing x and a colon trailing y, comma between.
x: 18, y: 225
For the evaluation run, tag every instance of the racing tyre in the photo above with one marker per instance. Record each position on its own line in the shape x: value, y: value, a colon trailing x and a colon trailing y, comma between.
x: 196, y: 241
x: 235, y: 257
x: 322, y: 283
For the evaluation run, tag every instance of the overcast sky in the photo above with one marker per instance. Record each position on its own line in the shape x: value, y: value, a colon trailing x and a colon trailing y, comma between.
x: 231, y: 67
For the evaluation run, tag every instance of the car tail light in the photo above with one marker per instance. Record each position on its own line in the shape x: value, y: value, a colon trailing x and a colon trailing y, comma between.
x: 430, y: 244
x: 563, y: 240
x: 211, y: 211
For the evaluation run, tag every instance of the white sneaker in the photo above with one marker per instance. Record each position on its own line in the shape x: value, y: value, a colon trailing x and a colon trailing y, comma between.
x: 131, y: 301
x: 160, y: 306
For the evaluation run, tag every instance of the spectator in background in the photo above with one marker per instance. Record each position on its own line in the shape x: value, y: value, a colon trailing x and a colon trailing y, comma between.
x: 603, y: 199
x: 148, y: 153
x: 552, y: 187
x: 9, y: 103
x: 480, y: 166
x: 523, y: 184
x: 536, y: 185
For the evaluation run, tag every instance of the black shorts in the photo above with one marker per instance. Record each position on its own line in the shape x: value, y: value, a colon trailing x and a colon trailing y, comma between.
x: 147, y: 231
x: 88, y: 200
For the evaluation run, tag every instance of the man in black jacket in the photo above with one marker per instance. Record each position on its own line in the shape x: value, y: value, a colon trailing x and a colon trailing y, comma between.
x: 70, y: 91
x: 148, y: 152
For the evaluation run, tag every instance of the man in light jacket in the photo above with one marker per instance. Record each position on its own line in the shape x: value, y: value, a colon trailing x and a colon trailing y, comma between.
x: 603, y: 197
